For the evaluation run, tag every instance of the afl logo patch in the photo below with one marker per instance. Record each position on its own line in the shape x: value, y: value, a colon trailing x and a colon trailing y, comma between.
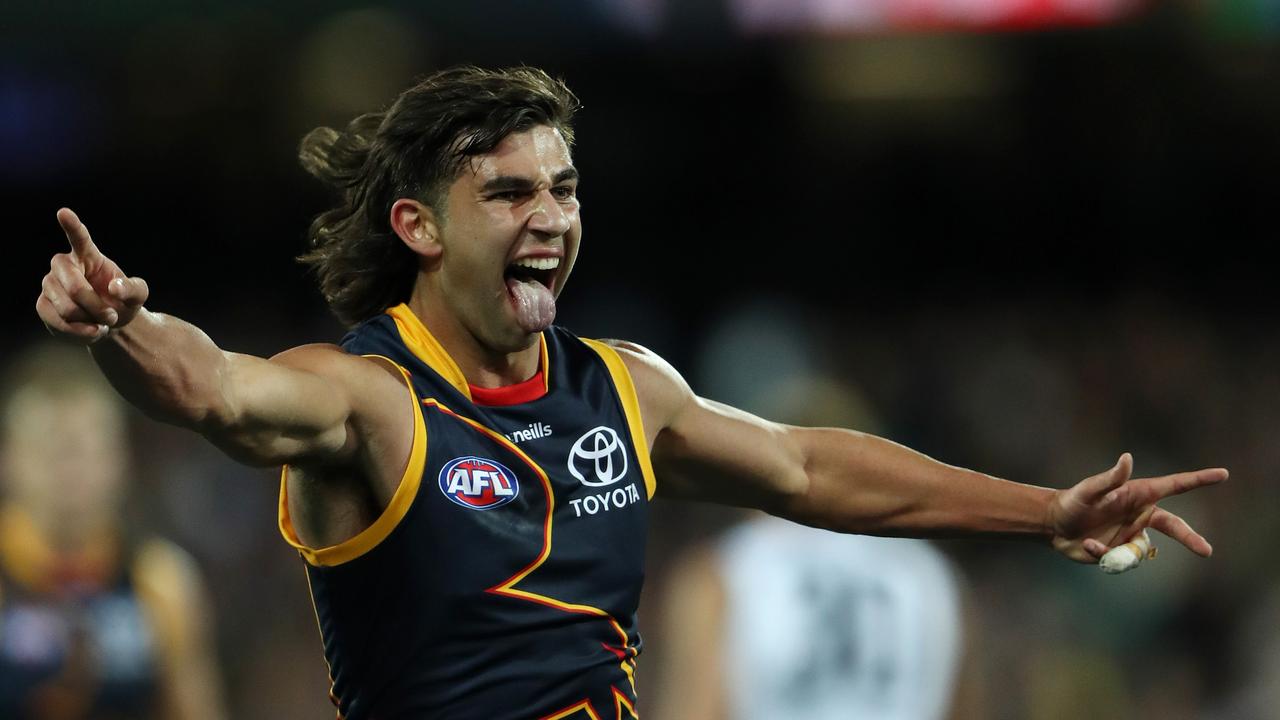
x: 598, y: 458
x: 478, y: 483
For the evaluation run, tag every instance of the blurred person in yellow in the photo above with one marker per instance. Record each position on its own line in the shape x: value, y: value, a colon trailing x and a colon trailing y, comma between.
x: 469, y: 483
x: 97, y: 622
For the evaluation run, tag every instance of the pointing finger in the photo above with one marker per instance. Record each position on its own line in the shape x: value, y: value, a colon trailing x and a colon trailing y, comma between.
x: 1147, y: 491
x: 1178, y: 529
x: 78, y: 235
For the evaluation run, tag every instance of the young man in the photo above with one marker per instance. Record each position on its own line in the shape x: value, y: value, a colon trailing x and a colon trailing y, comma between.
x: 95, y: 621
x: 475, y: 545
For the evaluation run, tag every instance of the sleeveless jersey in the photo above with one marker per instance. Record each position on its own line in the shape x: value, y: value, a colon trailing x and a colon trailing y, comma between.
x: 71, y: 647
x: 824, y: 626
x: 501, y: 582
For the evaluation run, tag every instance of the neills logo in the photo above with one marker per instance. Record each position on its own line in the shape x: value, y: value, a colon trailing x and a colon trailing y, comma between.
x: 533, y: 432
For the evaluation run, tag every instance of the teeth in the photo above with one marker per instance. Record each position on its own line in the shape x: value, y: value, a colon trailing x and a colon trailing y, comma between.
x: 539, y: 263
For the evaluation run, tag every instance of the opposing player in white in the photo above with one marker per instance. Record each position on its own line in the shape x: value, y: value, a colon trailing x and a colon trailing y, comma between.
x: 778, y: 621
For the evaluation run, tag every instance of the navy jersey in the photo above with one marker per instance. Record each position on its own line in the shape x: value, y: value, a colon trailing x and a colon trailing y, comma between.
x: 501, y: 582
x: 72, y: 644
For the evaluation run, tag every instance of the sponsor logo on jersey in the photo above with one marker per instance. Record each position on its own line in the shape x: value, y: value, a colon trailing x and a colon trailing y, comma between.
x: 478, y: 483
x: 594, y: 503
x: 533, y: 432
x: 598, y: 458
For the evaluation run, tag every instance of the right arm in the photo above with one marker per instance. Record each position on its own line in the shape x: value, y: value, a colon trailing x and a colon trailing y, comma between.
x: 297, y: 407
x: 288, y: 409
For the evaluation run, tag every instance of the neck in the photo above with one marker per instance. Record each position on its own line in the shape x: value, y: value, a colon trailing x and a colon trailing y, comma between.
x: 481, y: 365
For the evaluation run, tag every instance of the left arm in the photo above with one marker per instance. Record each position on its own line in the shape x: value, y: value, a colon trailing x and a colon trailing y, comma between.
x: 854, y: 482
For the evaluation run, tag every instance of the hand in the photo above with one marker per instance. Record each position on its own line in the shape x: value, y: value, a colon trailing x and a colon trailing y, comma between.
x: 85, y: 294
x: 1109, y: 509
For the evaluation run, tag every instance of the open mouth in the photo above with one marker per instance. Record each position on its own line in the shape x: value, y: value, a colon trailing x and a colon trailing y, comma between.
x: 539, y: 270
x: 530, y: 283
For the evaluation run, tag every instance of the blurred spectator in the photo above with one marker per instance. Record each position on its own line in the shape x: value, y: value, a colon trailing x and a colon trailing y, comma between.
x: 783, y: 622
x: 777, y: 621
x: 97, y: 620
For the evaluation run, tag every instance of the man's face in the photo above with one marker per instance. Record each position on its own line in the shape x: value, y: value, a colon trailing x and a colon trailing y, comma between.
x: 509, y: 238
x: 64, y: 456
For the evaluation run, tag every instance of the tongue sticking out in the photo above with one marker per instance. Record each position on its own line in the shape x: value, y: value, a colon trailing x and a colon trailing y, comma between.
x: 534, y: 303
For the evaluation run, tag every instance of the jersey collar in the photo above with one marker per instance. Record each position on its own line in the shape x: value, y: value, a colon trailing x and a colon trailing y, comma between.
x: 426, y: 348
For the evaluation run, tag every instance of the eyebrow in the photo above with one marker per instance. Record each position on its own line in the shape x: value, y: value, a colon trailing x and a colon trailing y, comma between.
x: 515, y: 182
x: 569, y: 173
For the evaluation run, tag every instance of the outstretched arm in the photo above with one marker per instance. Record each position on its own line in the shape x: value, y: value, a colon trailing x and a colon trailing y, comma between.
x: 295, y: 407
x: 854, y: 482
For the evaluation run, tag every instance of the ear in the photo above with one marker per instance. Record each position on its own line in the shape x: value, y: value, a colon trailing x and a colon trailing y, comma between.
x: 416, y: 225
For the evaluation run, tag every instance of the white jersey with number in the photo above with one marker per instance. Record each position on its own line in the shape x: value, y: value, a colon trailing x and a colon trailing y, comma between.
x: 823, y: 626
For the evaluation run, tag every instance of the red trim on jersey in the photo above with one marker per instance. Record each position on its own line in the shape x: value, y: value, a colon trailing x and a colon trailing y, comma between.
x: 523, y: 392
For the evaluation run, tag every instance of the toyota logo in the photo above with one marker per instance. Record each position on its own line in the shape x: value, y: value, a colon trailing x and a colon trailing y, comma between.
x: 598, y: 457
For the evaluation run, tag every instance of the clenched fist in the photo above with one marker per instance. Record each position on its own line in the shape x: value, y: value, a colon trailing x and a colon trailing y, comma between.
x: 85, y: 294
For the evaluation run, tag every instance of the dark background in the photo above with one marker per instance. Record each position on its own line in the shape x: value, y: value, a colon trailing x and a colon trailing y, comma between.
x: 1028, y: 248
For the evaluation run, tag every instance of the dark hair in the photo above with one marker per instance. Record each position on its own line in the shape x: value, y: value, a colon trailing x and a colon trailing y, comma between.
x: 415, y: 149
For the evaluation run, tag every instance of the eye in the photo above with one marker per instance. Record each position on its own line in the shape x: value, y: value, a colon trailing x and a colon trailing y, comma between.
x: 509, y: 195
x: 563, y: 192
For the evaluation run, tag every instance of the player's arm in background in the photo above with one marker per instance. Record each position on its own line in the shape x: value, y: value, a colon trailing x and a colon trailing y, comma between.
x: 850, y: 481
x: 294, y: 408
x: 177, y: 608
x: 690, y: 682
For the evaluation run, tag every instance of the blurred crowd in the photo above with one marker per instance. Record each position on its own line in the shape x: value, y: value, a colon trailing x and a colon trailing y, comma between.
x: 1042, y: 392
x: 1022, y: 244
x: 1049, y: 392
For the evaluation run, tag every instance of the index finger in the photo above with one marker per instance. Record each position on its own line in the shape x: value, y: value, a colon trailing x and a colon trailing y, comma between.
x: 77, y: 234
x: 1148, y: 491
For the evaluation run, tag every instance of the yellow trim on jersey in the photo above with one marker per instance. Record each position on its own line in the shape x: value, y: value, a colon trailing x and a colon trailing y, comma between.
x: 28, y: 556
x: 508, y: 587
x: 546, y: 363
x: 620, y: 701
x: 424, y: 345
x: 24, y: 553
x: 630, y: 405
x: 368, y: 538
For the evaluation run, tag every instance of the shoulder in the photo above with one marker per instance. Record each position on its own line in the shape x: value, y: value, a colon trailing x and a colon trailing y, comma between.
x: 650, y: 372
x: 319, y: 357
x: 359, y: 373
x: 662, y: 391
x: 371, y: 386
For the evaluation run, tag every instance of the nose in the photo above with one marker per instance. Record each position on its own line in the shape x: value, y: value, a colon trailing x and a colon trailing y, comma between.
x: 549, y: 217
